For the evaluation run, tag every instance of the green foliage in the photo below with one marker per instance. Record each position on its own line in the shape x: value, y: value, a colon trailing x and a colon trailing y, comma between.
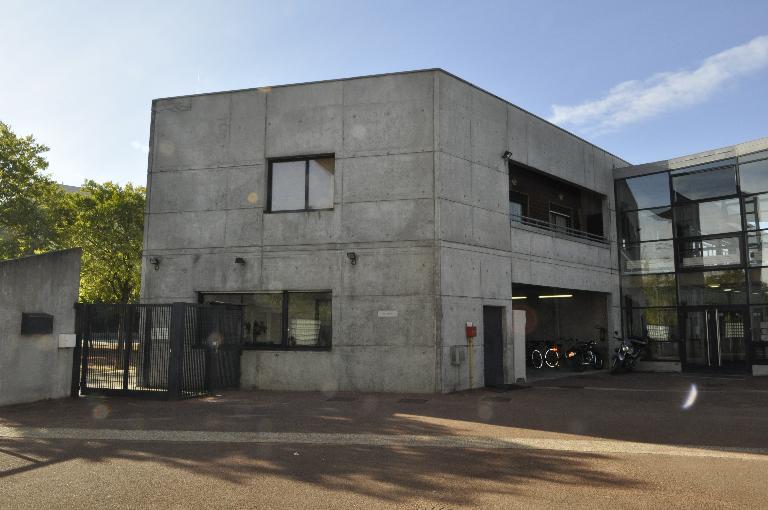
x: 108, y: 225
x: 37, y: 215
x: 33, y: 212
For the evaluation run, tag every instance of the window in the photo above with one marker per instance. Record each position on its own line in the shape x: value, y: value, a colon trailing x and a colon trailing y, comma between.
x: 659, y: 327
x: 649, y: 290
x: 652, y: 257
x: 757, y: 248
x: 283, y: 320
x: 647, y: 225
x: 560, y: 217
x: 758, y: 283
x: 754, y: 177
x: 712, y: 288
x: 756, y: 211
x: 518, y: 206
x: 707, y: 218
x: 643, y: 192
x: 301, y: 184
x: 760, y: 333
x: 699, y: 253
x: 700, y: 185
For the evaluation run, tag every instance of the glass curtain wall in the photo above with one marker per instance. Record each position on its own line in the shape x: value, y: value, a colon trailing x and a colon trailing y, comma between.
x: 694, y: 239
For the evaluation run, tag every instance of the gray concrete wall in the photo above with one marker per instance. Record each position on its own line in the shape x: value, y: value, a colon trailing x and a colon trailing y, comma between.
x: 421, y: 195
x: 206, y: 206
x: 34, y: 367
x: 481, y: 255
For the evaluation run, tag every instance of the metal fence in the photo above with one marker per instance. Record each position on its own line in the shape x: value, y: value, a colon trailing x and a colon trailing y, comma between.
x: 166, y: 350
x: 568, y: 231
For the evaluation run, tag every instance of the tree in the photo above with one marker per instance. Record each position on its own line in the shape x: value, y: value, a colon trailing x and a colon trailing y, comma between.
x: 108, y: 225
x: 33, y: 212
x: 37, y: 215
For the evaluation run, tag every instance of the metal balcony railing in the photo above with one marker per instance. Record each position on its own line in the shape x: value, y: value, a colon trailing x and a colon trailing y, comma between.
x: 545, y: 225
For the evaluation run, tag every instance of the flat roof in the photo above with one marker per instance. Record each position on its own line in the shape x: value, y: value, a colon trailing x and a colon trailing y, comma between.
x: 731, y: 151
x: 428, y: 70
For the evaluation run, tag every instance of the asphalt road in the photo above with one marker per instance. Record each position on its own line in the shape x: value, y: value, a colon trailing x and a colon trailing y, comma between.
x: 591, y: 441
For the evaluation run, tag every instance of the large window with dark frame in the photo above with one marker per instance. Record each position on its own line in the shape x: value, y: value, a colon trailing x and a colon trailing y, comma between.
x: 694, y: 237
x: 301, y: 184
x: 647, y: 263
x: 282, y: 320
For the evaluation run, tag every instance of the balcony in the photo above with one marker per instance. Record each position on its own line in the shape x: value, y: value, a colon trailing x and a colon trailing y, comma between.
x: 547, y: 203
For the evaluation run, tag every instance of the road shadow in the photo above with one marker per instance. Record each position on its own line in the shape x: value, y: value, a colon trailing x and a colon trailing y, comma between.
x: 448, y: 476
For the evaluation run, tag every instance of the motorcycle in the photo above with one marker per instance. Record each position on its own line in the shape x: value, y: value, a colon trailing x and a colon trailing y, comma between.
x: 628, y: 353
x: 583, y: 355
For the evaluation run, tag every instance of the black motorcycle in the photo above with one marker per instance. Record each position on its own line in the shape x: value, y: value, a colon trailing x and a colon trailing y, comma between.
x: 583, y: 355
x: 628, y: 353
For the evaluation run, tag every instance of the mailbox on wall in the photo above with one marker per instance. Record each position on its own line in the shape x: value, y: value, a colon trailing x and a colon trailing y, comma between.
x: 36, y: 324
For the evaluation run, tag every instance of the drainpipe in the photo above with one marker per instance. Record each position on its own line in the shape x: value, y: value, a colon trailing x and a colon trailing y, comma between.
x: 469, y: 347
x: 471, y: 332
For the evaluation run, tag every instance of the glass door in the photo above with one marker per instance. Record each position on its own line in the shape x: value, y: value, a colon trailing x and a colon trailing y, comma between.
x: 715, y: 339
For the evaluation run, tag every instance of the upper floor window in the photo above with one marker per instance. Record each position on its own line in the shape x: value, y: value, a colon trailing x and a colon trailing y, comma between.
x: 643, y: 192
x: 301, y: 184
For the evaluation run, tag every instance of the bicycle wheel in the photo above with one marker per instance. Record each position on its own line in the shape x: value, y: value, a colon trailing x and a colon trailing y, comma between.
x: 552, y: 358
x: 537, y: 360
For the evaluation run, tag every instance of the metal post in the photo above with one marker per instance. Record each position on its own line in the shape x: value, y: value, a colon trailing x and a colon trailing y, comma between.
x: 176, y: 355
x: 147, y: 358
x: 78, y: 352
x: 86, y: 335
x: 127, y: 312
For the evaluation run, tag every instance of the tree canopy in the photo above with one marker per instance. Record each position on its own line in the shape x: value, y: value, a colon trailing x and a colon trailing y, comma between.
x: 37, y: 215
x: 32, y: 206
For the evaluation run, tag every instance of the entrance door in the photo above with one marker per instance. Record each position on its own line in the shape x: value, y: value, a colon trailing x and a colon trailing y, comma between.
x: 715, y: 339
x: 493, y: 347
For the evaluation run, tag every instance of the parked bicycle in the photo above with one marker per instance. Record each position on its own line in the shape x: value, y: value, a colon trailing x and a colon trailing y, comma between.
x: 583, y: 355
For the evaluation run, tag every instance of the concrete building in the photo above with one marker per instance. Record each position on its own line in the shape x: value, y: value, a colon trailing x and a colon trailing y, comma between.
x: 363, y: 223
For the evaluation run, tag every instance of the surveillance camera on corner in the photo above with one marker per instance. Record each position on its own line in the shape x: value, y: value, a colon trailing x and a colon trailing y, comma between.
x: 507, y: 155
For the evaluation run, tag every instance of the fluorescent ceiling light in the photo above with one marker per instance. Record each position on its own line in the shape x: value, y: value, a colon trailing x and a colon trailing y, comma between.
x: 713, y: 285
x: 550, y: 296
x: 519, y: 297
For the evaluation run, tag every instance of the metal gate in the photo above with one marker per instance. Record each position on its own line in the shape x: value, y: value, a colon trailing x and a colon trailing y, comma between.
x: 172, y: 351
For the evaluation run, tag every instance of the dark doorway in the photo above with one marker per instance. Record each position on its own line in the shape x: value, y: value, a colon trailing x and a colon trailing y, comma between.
x: 493, y: 345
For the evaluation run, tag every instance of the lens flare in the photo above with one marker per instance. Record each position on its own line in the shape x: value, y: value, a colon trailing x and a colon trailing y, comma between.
x: 693, y: 393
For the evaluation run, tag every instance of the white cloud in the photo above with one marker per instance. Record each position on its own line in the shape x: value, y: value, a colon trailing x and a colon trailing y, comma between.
x: 140, y: 146
x: 636, y: 100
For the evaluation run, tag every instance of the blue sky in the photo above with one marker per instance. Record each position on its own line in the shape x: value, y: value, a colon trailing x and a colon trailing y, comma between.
x: 645, y: 80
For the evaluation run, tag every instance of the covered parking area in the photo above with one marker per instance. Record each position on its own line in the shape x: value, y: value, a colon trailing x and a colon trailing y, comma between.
x: 561, y: 317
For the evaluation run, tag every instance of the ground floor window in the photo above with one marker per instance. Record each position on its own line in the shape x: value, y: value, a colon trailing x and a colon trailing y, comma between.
x: 659, y: 327
x: 282, y: 320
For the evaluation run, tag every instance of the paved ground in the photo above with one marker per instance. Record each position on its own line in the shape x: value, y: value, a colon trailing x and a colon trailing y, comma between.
x: 588, y: 441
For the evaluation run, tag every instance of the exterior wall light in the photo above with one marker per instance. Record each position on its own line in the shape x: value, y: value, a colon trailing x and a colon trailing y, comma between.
x: 352, y: 256
x: 507, y: 155
x: 240, y: 260
x: 155, y: 262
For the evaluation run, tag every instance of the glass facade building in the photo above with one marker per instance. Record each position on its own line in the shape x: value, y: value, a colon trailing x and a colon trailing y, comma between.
x: 694, y: 279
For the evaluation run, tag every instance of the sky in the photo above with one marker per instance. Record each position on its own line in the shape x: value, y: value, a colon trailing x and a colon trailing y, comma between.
x: 644, y: 80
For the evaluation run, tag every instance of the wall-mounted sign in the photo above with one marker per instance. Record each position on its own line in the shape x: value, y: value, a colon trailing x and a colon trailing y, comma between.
x: 36, y: 323
x: 387, y: 313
